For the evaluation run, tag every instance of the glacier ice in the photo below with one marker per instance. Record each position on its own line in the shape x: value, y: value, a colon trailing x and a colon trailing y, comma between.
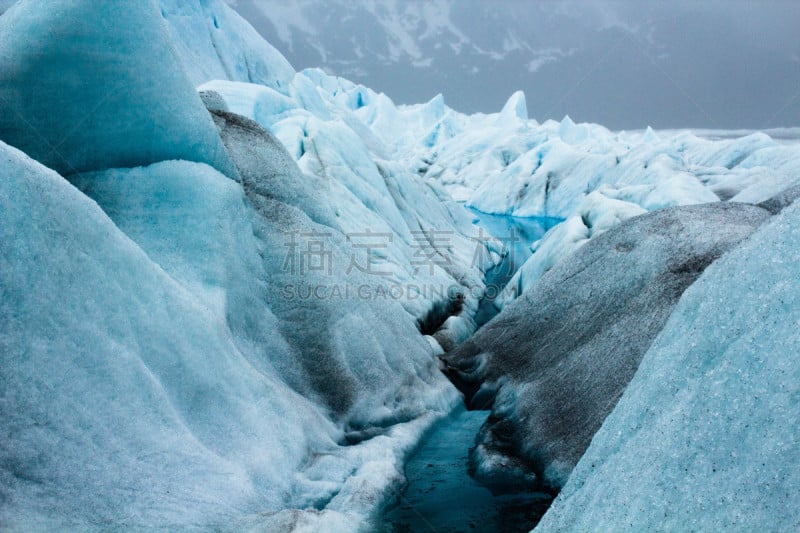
x: 343, y: 164
x: 705, y: 436
x: 156, y: 372
x: 181, y: 288
x: 597, y: 214
x: 214, y: 42
x: 161, y: 279
x: 554, y: 362
x: 124, y: 394
x: 71, y: 80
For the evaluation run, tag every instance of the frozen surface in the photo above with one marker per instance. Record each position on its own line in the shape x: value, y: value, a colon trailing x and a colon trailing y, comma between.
x: 433, y: 250
x: 161, y: 289
x: 507, y: 164
x: 170, y: 327
x: 74, y: 93
x: 597, y: 214
x: 330, y: 336
x: 553, y: 363
x: 705, y: 436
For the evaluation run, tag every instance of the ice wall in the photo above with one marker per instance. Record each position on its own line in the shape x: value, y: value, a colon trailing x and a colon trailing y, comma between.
x: 705, y: 436
x: 93, y: 85
x: 553, y: 363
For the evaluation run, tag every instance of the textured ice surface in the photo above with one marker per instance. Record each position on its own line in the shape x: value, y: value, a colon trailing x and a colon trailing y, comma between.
x: 154, y: 371
x: 216, y: 43
x: 88, y: 85
x: 330, y: 336
x: 705, y: 436
x: 343, y: 166
x: 124, y: 396
x: 555, y: 361
x: 170, y: 317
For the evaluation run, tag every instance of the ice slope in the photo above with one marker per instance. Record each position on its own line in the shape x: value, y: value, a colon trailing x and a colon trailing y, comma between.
x: 174, y: 336
x: 433, y: 250
x: 173, y: 354
x: 553, y: 363
x: 347, y: 350
x: 705, y: 436
x: 214, y: 42
x: 76, y: 98
x: 124, y: 396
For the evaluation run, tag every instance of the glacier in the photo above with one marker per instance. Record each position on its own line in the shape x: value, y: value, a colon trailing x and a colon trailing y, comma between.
x: 169, y: 360
x: 164, y: 274
x: 553, y: 363
x: 705, y: 435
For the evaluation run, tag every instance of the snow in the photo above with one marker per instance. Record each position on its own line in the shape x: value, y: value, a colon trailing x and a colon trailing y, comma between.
x: 553, y: 363
x: 71, y: 80
x: 705, y: 436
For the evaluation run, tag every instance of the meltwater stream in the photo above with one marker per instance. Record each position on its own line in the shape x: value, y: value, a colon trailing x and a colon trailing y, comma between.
x: 440, y: 496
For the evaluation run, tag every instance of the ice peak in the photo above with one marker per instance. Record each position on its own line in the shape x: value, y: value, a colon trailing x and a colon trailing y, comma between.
x: 572, y: 133
x: 436, y: 105
x: 650, y: 136
x: 515, y: 107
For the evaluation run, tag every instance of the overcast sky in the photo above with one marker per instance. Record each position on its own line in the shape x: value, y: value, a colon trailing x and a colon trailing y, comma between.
x: 624, y: 64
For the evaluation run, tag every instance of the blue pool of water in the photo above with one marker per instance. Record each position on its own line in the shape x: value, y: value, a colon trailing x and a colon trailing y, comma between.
x: 518, y: 234
x: 441, y: 497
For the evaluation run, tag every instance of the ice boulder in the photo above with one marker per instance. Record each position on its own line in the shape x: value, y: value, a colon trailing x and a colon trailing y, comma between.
x: 705, y: 436
x: 92, y: 85
x: 554, y: 362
